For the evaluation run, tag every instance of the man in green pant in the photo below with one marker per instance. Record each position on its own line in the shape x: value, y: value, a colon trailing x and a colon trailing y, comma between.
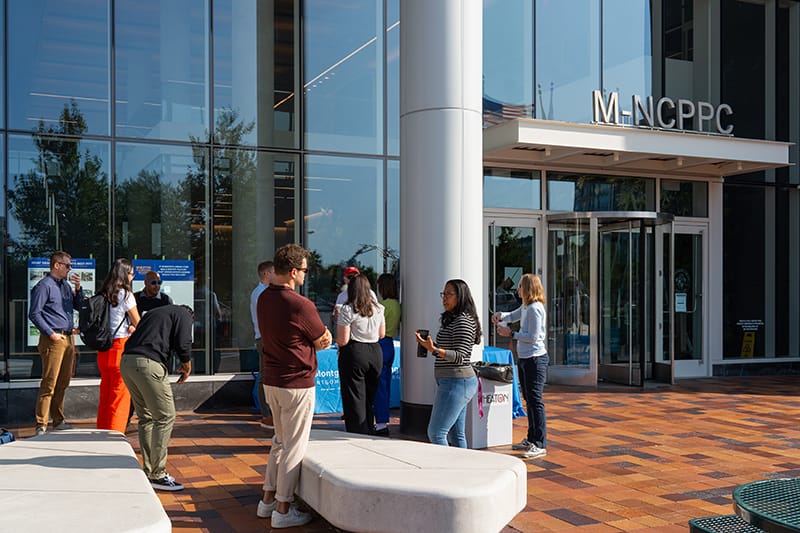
x: 144, y: 367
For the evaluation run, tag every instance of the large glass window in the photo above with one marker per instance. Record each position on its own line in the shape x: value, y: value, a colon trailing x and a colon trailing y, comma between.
x: 3, y: 273
x: 343, y: 75
x: 627, y: 53
x: 743, y: 67
x: 393, y: 217
x: 517, y: 189
x: 393, y: 77
x: 254, y: 205
x: 684, y: 198
x: 162, y: 69
x: 743, y: 250
x: 161, y: 213
x: 255, y: 78
x: 567, y: 58
x: 57, y: 200
x: 58, y: 53
x: 507, y: 60
x: 583, y: 192
x: 344, y: 222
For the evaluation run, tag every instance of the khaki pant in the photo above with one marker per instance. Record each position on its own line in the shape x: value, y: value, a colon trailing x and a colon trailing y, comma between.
x: 292, y: 414
x: 151, y: 392
x: 262, y: 399
x: 58, y: 358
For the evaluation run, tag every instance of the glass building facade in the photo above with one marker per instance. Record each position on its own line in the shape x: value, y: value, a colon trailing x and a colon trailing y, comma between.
x: 215, y: 131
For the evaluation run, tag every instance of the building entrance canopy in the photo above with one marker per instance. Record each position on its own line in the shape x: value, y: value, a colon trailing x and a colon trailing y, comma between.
x: 595, y: 147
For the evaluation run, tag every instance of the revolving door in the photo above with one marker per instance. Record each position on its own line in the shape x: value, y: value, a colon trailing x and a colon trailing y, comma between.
x: 608, y: 274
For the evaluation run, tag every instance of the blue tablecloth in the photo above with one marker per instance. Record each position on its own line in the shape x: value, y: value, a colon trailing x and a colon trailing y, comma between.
x: 329, y: 396
x: 492, y: 354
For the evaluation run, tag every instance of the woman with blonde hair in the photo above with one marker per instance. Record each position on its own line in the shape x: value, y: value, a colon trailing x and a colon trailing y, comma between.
x: 114, y: 406
x: 533, y: 359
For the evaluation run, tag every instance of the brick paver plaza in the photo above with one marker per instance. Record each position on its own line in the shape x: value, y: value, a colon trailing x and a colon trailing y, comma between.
x: 619, y: 459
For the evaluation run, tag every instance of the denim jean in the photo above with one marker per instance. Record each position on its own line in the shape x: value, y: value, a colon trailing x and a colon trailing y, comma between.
x: 533, y: 374
x: 384, y: 392
x: 449, y: 414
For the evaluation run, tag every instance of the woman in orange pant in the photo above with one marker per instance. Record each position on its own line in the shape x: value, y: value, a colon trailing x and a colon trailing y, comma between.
x: 115, y: 400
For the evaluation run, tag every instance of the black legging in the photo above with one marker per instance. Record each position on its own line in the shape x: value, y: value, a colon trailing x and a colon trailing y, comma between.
x: 359, y: 372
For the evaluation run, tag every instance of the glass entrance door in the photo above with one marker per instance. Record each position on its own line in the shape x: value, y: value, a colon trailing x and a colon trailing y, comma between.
x: 603, y: 285
x: 683, y: 314
x: 625, y: 299
x: 511, y: 246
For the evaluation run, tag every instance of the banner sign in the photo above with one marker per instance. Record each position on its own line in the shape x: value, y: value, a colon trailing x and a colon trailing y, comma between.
x: 39, y: 267
x: 177, y: 278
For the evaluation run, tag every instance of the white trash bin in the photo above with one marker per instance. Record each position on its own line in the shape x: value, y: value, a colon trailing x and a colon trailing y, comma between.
x: 494, y: 429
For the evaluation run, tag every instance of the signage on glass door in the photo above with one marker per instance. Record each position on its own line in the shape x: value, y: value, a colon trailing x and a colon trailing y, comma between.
x: 664, y: 113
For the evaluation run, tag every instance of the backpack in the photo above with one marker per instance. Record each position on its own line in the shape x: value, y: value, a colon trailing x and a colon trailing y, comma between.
x: 93, y: 323
x: 6, y: 436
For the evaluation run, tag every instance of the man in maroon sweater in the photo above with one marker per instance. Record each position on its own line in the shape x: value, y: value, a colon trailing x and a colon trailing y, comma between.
x: 292, y: 332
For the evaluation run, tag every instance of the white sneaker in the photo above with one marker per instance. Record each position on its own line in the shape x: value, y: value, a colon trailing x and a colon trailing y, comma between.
x: 534, y: 451
x: 295, y: 517
x: 265, y: 509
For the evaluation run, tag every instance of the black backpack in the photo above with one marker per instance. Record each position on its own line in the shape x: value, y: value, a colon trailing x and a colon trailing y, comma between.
x: 93, y: 323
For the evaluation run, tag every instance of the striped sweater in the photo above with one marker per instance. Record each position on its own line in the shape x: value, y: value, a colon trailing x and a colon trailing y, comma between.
x: 457, y: 339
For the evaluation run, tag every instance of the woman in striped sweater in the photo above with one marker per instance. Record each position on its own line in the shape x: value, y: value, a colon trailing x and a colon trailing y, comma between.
x: 456, y: 383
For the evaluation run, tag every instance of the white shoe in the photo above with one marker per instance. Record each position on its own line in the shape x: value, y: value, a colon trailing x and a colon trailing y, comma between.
x: 295, y: 517
x: 534, y: 451
x: 265, y: 509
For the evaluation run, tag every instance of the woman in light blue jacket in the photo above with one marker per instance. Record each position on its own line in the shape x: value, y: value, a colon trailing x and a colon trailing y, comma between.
x: 533, y: 359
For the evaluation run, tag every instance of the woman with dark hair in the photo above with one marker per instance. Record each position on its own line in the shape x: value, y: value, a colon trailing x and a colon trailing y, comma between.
x: 456, y: 383
x: 533, y: 359
x: 387, y: 290
x: 114, y: 406
x: 360, y: 325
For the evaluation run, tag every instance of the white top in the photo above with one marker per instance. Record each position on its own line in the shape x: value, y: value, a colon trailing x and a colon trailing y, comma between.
x: 253, y: 305
x: 118, y: 312
x: 362, y: 329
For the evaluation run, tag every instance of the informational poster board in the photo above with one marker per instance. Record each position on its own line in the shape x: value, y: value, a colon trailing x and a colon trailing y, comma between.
x: 177, y: 278
x: 39, y: 267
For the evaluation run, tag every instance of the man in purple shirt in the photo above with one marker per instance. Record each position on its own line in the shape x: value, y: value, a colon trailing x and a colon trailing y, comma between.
x: 51, y: 311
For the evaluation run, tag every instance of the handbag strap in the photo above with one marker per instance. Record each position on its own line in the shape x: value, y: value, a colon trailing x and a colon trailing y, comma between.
x: 124, y: 319
x: 480, y: 398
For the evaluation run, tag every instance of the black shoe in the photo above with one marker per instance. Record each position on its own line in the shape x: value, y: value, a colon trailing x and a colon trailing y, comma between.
x: 166, y: 483
x: 383, y: 432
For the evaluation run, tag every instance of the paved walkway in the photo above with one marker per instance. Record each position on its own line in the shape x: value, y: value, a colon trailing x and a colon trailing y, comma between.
x: 619, y: 459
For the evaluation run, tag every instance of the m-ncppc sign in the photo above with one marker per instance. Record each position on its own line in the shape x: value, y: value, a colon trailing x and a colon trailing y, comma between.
x: 664, y: 113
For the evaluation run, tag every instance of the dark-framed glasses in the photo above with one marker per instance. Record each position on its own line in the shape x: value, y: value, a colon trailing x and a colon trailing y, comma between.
x: 67, y: 265
x: 154, y: 282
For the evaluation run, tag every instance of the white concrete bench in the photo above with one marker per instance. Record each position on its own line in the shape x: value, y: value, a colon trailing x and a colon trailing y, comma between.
x: 76, y: 480
x: 360, y: 483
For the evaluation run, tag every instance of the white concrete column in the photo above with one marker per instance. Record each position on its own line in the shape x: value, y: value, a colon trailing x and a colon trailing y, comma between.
x: 441, y: 196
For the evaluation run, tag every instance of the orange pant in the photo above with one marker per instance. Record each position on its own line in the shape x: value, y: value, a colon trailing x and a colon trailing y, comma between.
x: 115, y: 400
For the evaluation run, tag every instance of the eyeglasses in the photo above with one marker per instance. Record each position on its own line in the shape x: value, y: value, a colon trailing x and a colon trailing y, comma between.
x: 443, y: 294
x: 67, y: 265
x: 154, y: 282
